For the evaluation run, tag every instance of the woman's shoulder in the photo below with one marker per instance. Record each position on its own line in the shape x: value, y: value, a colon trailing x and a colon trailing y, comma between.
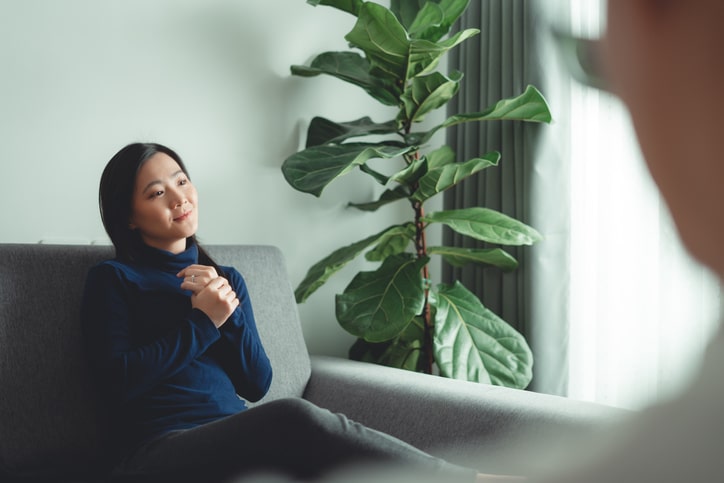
x: 104, y: 266
x: 115, y: 268
x: 110, y: 265
x: 107, y: 275
x: 233, y: 275
x: 230, y: 272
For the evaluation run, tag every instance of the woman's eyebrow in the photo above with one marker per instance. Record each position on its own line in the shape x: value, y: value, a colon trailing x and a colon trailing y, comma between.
x: 158, y: 181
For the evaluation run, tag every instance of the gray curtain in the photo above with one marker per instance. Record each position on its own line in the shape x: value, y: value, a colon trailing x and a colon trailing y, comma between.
x: 498, y: 63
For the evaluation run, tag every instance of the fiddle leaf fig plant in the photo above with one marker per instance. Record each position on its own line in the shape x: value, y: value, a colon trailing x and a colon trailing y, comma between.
x: 399, y: 318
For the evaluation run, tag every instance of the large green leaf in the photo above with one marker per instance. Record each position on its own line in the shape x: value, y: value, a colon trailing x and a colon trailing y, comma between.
x: 383, y: 39
x: 425, y: 55
x: 319, y: 273
x: 377, y: 306
x: 459, y: 257
x: 406, y: 10
x: 434, y: 23
x: 391, y: 243
x: 430, y: 15
x: 353, y: 68
x: 324, y: 131
x: 486, y: 225
x: 474, y: 344
x: 387, y: 197
x: 441, y: 178
x: 427, y: 93
x: 381, y: 178
x: 411, y: 173
x: 530, y: 106
x: 349, y: 6
x: 312, y: 169
x: 402, y: 352
x: 440, y: 157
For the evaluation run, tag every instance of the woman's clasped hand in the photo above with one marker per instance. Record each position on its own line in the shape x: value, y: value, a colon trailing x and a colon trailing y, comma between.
x: 211, y: 294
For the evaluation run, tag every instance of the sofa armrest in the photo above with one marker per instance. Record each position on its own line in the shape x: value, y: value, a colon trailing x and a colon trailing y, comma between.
x: 439, y: 414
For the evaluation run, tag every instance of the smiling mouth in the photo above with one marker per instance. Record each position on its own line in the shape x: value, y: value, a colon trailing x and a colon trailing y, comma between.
x: 184, y: 216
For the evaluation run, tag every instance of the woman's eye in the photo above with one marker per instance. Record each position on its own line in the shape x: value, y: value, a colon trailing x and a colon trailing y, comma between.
x: 182, y: 181
x: 156, y: 194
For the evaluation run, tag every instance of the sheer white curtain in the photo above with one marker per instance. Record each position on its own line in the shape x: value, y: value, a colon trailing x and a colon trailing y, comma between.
x: 639, y: 310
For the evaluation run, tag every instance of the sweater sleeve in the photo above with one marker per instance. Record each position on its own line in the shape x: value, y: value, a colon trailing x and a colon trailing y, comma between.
x: 126, y: 370
x: 247, y: 363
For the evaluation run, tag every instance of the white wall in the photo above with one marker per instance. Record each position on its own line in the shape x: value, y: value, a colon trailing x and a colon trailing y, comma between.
x: 209, y: 78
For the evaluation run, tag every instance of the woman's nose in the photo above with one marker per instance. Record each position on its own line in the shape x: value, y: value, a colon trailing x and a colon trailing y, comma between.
x: 178, y: 198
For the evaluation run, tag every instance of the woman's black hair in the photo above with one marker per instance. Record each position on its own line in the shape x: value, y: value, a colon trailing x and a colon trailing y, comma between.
x: 115, y: 198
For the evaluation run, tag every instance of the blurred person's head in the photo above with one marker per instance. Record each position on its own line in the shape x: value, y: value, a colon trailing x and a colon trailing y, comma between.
x: 665, y: 59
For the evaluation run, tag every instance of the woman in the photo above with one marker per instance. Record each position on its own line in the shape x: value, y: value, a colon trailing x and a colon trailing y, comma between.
x: 173, y: 340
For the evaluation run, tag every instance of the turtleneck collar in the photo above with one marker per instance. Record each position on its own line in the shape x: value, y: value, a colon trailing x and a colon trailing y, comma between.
x: 167, y: 261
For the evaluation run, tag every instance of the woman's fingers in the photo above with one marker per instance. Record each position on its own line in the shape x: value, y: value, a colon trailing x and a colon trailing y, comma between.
x: 196, y: 277
x: 211, y: 293
x: 227, y: 294
x: 217, y: 300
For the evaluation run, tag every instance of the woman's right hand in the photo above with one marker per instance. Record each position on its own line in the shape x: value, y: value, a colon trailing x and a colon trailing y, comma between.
x: 217, y: 300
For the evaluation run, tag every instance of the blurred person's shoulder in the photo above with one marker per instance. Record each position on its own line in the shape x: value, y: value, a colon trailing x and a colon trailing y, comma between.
x: 677, y: 440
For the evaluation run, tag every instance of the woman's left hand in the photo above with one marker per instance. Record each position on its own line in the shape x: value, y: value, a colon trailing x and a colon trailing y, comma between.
x: 196, y: 277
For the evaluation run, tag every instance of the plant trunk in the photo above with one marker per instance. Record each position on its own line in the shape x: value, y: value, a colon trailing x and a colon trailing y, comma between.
x: 421, y: 248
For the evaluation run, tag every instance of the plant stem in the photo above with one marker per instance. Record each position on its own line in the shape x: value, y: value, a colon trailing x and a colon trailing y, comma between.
x: 421, y: 248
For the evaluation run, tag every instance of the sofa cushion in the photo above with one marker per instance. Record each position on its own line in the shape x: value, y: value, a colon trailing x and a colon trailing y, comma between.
x: 51, y: 419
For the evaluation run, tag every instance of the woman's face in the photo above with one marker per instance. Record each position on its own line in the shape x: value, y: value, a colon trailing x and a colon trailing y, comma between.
x: 164, y: 207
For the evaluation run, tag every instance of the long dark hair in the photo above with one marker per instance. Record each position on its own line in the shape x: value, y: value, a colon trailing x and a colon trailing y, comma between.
x: 115, y: 198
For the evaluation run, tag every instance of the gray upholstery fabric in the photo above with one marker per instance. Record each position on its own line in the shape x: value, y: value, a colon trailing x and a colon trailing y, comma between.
x: 49, y: 412
x: 446, y: 415
x: 50, y: 418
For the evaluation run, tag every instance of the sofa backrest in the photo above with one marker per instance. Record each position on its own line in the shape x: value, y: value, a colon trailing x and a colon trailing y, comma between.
x: 51, y: 420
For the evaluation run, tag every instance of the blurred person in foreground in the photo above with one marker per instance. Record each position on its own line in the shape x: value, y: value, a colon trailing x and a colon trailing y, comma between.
x: 665, y: 60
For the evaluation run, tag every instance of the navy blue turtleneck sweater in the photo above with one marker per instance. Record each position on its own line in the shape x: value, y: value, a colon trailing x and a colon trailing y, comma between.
x: 163, y: 364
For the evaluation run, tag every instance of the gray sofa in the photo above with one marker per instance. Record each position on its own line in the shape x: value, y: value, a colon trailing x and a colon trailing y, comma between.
x: 53, y: 426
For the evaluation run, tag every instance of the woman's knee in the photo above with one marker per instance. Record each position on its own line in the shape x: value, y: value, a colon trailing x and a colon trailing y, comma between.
x: 303, y: 416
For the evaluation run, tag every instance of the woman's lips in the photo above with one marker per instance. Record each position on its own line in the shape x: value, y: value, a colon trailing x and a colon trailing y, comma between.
x: 184, y: 216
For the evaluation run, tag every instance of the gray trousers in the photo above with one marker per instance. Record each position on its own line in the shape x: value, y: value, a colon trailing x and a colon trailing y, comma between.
x: 292, y: 437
